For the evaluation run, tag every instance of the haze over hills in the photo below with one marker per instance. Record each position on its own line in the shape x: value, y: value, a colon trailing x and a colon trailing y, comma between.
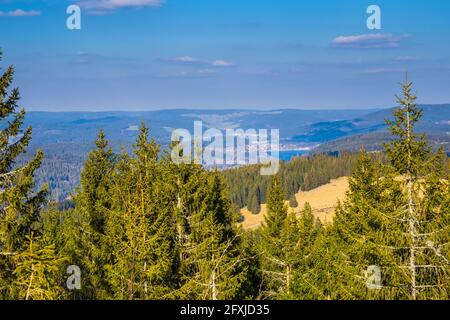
x: 66, y: 137
x: 302, y: 126
x: 51, y: 127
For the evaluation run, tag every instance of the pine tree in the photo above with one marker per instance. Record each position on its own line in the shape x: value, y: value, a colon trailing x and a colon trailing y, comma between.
x: 293, y: 201
x: 19, y: 203
x: 37, y: 270
x: 213, y: 268
x: 140, y: 229
x: 395, y: 218
x: 93, y: 198
x: 325, y: 274
x: 425, y: 217
x: 366, y: 232
x: 254, y: 206
x: 277, y: 247
x: 276, y: 209
x: 185, y: 179
x: 92, y: 206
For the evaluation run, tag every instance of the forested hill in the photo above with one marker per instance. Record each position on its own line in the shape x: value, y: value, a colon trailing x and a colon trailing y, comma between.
x: 67, y: 137
x: 370, y: 131
x: 249, y: 189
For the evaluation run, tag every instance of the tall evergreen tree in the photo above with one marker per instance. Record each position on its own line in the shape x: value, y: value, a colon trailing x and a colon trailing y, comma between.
x: 253, y: 205
x: 140, y: 228
x: 308, y: 231
x: 276, y: 209
x: 425, y: 217
x: 277, y: 247
x: 92, y: 206
x: 184, y: 181
x: 213, y: 267
x: 395, y: 217
x: 20, y: 204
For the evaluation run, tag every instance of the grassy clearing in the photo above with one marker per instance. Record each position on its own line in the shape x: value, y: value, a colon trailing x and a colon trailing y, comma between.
x: 323, y: 200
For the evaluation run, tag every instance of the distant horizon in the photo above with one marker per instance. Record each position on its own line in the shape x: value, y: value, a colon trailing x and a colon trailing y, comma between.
x: 250, y: 109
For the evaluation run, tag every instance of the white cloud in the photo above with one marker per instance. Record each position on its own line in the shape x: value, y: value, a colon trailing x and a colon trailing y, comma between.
x: 375, y: 40
x: 405, y: 58
x: 20, y: 13
x: 185, y: 59
x: 206, y: 71
x: 193, y: 61
x: 221, y: 63
x: 384, y: 70
x: 103, y: 6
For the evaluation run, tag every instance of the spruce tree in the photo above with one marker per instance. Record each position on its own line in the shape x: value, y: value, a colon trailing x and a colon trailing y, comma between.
x: 140, y: 229
x: 276, y: 209
x: 92, y: 207
x: 254, y: 206
x: 20, y: 204
x: 425, y: 216
x: 213, y: 268
x: 277, y: 247
x: 184, y: 181
x: 37, y: 270
x: 395, y: 218
x: 293, y: 201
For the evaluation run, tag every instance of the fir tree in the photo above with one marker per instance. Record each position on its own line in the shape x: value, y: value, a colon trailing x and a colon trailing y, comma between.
x: 92, y: 206
x: 140, y: 228
x: 19, y: 203
x: 37, y: 270
x: 425, y: 217
x: 395, y: 218
x: 254, y: 206
x: 276, y: 209
x: 213, y: 267
x: 293, y: 201
x: 277, y: 247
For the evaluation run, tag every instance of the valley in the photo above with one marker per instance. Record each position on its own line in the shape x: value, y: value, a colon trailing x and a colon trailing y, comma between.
x: 66, y: 137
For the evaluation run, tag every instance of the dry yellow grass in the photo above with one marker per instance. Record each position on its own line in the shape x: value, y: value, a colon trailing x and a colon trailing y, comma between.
x: 323, y: 200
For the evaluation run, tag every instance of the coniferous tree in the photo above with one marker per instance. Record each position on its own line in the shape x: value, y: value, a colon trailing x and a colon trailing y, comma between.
x: 276, y: 244
x: 183, y: 181
x: 425, y: 216
x: 254, y: 206
x: 214, y: 265
x: 293, y: 201
x: 276, y: 209
x: 37, y: 271
x: 140, y: 230
x: 395, y: 218
x: 299, y: 238
x: 92, y: 207
x: 20, y: 204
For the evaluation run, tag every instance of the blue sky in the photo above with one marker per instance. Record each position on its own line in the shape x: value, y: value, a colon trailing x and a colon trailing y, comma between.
x: 263, y: 54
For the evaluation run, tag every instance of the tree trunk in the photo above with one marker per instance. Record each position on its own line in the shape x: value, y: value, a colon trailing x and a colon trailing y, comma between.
x: 411, y: 214
x: 213, y: 286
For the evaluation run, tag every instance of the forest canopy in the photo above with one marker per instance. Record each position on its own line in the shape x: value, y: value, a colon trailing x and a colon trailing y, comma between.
x: 143, y: 227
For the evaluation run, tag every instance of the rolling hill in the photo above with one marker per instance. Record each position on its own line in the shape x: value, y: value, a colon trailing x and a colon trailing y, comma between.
x: 66, y: 137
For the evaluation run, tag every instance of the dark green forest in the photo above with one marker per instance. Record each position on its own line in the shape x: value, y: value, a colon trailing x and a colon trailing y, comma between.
x: 249, y: 189
x: 143, y: 227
